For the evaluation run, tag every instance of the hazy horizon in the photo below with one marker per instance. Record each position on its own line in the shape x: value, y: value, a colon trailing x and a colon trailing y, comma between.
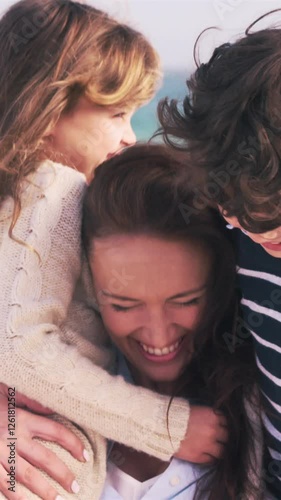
x: 173, y: 25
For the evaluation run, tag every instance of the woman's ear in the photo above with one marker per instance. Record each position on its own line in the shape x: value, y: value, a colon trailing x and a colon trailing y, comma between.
x: 88, y: 283
x: 96, y: 307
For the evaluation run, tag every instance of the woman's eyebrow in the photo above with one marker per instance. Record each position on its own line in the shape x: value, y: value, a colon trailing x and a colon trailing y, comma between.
x: 119, y: 297
x: 187, y: 292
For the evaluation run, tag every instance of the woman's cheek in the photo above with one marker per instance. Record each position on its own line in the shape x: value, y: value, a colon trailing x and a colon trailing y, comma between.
x: 187, y: 317
x: 118, y: 323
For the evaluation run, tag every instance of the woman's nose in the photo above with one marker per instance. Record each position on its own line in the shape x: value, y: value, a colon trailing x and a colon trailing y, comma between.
x: 159, y: 331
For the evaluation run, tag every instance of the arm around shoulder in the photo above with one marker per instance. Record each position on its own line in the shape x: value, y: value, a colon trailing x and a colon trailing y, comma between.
x: 40, y: 279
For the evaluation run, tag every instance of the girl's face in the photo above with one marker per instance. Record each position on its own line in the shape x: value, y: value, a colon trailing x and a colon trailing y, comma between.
x: 151, y: 293
x: 89, y: 134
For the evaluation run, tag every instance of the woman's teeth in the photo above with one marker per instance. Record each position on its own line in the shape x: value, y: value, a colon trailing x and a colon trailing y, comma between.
x: 161, y: 352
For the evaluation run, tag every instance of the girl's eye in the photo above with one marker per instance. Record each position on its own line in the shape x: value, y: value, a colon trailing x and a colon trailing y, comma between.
x: 118, y: 308
x: 120, y: 115
x: 192, y: 302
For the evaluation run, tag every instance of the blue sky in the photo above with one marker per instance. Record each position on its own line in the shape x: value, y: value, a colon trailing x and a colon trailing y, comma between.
x: 173, y: 25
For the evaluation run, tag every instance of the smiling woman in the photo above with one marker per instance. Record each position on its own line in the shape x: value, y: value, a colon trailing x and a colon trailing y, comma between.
x: 167, y: 318
x: 154, y: 323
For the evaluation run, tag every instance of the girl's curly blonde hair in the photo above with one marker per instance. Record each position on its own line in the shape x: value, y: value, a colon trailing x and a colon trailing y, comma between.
x: 51, y: 53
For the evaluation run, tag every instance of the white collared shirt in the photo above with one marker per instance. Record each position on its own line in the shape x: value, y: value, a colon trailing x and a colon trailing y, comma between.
x: 177, y: 481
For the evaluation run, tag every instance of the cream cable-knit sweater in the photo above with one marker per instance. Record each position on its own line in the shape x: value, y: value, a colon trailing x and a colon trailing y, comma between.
x: 53, y: 349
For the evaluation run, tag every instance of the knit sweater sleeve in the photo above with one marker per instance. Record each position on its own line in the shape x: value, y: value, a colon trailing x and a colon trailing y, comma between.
x: 38, y: 282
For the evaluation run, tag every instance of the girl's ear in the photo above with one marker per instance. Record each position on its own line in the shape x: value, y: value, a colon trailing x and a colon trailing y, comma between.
x: 47, y: 144
x: 48, y: 134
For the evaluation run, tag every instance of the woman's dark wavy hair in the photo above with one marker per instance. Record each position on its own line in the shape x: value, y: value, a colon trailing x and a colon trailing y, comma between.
x: 231, y: 124
x: 140, y: 192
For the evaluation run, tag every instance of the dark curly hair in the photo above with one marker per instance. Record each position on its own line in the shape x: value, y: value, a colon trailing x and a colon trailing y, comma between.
x: 231, y: 125
x: 139, y: 192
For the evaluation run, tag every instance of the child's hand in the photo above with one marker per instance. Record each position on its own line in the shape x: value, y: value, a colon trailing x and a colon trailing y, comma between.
x: 205, y: 437
x: 30, y: 454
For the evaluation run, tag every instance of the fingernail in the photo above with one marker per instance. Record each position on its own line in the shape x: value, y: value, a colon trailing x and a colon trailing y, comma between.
x: 75, y: 487
x: 86, y: 455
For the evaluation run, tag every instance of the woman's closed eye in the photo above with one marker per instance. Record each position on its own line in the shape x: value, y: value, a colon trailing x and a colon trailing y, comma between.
x: 188, y: 303
x: 118, y: 308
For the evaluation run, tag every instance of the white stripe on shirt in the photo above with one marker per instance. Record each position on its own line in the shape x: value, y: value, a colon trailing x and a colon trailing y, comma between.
x: 258, y: 274
x: 271, y: 429
x: 275, y: 405
x: 265, y: 342
x: 261, y: 309
x: 274, y: 454
x: 274, y: 379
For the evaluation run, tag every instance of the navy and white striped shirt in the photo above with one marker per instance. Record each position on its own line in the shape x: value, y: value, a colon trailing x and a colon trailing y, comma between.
x: 260, y: 281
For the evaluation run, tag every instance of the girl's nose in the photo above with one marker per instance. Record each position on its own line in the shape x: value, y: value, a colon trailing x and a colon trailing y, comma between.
x: 129, y: 137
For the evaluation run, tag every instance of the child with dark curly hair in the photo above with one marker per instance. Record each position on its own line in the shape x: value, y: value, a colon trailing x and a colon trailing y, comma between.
x: 231, y: 126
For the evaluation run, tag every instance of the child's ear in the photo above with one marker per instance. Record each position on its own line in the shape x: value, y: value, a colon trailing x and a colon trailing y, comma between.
x: 47, y: 144
x: 48, y: 140
x: 49, y: 132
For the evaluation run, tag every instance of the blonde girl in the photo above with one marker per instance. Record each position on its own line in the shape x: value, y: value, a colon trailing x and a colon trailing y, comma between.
x: 71, y: 78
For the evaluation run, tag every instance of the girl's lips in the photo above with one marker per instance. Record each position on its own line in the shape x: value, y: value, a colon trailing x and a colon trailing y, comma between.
x: 161, y: 359
x: 111, y: 155
x: 271, y: 246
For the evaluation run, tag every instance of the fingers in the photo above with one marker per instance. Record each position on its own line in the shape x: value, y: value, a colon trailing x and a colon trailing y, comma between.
x: 25, y: 402
x: 11, y: 494
x: 219, y: 429
x: 215, y: 417
x: 50, y: 463
x: 3, y: 389
x: 218, y: 450
x: 206, y: 436
x: 34, y: 481
x: 222, y: 435
x: 221, y: 420
x: 24, y: 473
x: 50, y: 430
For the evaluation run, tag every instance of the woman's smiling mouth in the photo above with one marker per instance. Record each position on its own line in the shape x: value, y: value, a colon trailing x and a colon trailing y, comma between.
x: 165, y: 354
